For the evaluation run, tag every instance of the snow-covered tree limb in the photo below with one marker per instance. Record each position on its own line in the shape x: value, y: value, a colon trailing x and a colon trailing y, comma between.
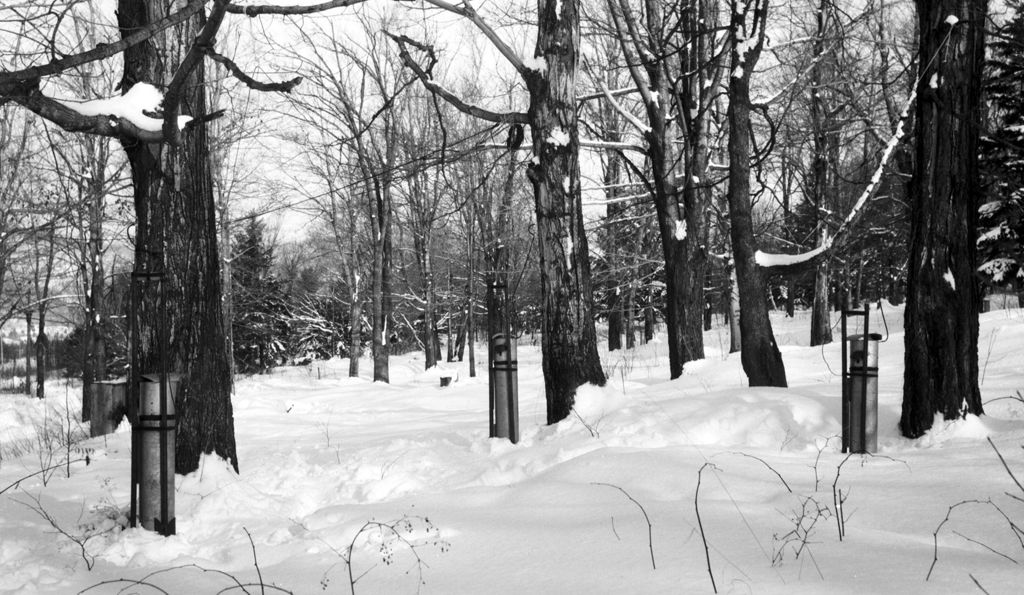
x: 119, y: 121
x: 783, y: 263
x: 640, y: 126
x: 601, y: 94
x: 609, y: 145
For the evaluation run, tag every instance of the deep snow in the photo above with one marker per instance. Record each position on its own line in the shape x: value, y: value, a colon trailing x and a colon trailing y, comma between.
x: 321, y: 455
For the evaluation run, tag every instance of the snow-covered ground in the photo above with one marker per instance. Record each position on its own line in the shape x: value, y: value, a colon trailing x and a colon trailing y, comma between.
x: 334, y: 468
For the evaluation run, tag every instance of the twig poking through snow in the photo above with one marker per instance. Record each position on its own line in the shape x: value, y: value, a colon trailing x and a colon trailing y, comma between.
x: 1005, y: 466
x: 650, y: 528
x: 255, y: 561
x: 770, y: 468
x: 700, y: 525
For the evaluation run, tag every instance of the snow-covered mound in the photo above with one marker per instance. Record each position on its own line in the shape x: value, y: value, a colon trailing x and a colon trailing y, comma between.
x: 352, y: 486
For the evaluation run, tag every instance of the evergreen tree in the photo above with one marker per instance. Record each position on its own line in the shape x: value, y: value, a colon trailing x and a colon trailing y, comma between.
x: 1001, y: 217
x: 260, y: 323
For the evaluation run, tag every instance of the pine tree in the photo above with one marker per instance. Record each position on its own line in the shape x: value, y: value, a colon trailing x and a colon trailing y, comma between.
x: 1001, y: 217
x: 260, y: 323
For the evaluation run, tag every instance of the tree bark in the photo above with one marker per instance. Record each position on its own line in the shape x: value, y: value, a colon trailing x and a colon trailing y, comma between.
x: 630, y: 314
x: 943, y: 296
x: 824, y: 177
x: 761, y: 359
x: 735, y: 336
x: 569, y: 340
x: 28, y: 352
x: 42, y: 347
x: 381, y: 229
x: 176, y: 233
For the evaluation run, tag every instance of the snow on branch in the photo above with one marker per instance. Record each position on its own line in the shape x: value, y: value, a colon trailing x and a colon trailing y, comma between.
x: 140, y: 106
x: 610, y: 145
x: 114, y: 117
x: 601, y: 94
x: 644, y: 129
x: 785, y: 260
x: 426, y: 77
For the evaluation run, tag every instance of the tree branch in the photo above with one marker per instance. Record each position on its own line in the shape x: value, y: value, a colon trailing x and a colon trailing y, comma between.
x: 192, y: 59
x: 11, y: 82
x: 644, y: 129
x: 29, y: 96
x: 470, y: 13
x: 254, y: 10
x: 424, y: 74
x: 284, y: 86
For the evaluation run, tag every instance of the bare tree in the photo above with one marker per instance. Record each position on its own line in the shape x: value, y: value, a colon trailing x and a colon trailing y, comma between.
x: 569, y: 340
x: 760, y: 355
x: 672, y: 59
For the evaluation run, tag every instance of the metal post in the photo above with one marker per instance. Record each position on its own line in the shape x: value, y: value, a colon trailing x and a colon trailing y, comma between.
x: 504, y: 368
x: 845, y: 386
x: 860, y: 386
x: 157, y: 426
x: 863, y: 427
x: 151, y: 409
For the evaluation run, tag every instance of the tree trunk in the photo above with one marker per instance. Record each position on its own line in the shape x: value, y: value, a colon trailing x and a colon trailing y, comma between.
x: 28, y: 352
x: 42, y: 346
x: 470, y: 305
x: 761, y: 359
x: 381, y: 228
x: 649, y: 320
x: 355, y: 339
x: 227, y: 286
x: 614, y: 320
x: 94, y: 351
x: 821, y: 321
x: 430, y: 347
x: 735, y: 340
x: 569, y: 341
x: 943, y: 296
x: 824, y: 177
x: 630, y: 314
x: 176, y: 233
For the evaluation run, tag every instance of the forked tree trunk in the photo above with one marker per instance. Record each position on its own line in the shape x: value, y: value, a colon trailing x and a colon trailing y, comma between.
x: 176, y: 230
x: 943, y: 297
x: 569, y: 340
